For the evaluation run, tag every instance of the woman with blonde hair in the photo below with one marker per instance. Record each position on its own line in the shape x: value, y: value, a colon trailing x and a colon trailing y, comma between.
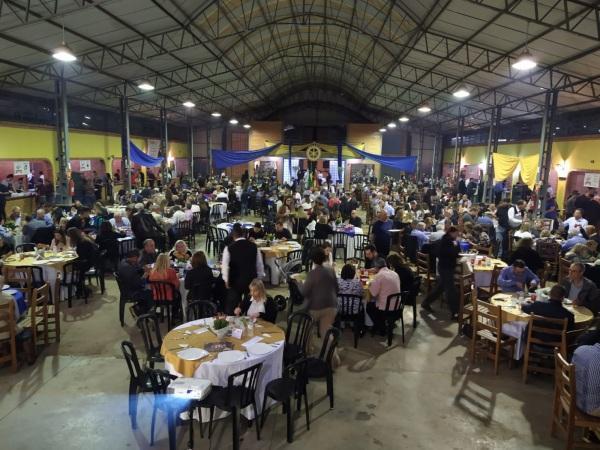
x: 162, y: 271
x: 180, y: 252
x: 259, y: 304
x: 580, y: 253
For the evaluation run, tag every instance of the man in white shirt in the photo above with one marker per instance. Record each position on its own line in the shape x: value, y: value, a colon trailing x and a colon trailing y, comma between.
x: 516, y: 214
x: 577, y: 221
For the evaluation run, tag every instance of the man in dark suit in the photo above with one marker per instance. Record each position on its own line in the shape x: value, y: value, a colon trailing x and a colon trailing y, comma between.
x: 580, y: 290
x: 552, y: 309
x: 242, y: 263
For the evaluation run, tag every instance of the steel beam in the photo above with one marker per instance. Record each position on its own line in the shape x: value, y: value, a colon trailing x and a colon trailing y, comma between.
x: 191, y: 150
x: 546, y: 139
x: 458, y: 147
x: 492, y: 147
x: 125, y: 144
x: 164, y: 145
x: 420, y: 153
x: 62, y: 135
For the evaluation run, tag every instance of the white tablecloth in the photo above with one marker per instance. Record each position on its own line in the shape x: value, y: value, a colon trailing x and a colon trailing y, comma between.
x: 217, y: 372
x: 518, y: 330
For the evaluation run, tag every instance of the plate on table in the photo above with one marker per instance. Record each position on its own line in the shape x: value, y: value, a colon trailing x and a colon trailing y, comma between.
x: 260, y: 349
x: 10, y: 291
x: 192, y: 353
x: 231, y: 356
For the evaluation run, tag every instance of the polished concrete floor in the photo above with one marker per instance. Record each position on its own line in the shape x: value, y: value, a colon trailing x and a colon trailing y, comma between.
x: 420, y: 395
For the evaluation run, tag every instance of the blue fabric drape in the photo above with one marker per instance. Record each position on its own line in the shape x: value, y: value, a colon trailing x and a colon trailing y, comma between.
x: 143, y: 159
x: 227, y: 158
x: 406, y: 164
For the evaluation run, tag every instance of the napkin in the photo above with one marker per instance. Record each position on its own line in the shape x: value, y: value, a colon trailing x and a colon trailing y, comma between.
x: 200, y: 330
x: 252, y: 341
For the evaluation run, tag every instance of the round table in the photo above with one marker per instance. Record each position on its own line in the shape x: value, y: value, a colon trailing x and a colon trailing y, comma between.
x: 197, y: 334
x: 511, y: 312
x: 274, y: 251
x: 52, y: 264
x: 482, y: 272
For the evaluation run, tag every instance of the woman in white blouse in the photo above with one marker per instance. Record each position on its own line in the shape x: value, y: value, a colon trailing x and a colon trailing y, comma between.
x: 259, y: 304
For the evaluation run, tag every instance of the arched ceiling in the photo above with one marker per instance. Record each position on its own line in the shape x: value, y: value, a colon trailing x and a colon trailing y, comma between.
x: 252, y: 58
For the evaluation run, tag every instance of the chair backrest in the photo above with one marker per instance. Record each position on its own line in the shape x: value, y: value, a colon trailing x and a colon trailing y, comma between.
x: 563, y: 269
x: 248, y: 378
x: 340, y: 239
x: 184, y: 228
x: 394, y: 303
x: 21, y: 277
x: 347, y: 305
x: 201, y: 309
x: 487, y: 317
x: 422, y: 264
x: 360, y: 241
x: 330, y: 342
x: 548, y: 332
x: 494, y: 279
x: 549, y: 250
x: 148, y: 325
x: 8, y: 324
x: 298, y: 329
x: 163, y: 291
x: 308, y: 234
x: 294, y: 254
x: 41, y: 296
x: 412, y: 246
x: 296, y: 296
x: 298, y: 372
x: 70, y: 274
x: 126, y: 245
x: 25, y: 247
x: 565, y: 388
x: 221, y: 234
x: 133, y: 363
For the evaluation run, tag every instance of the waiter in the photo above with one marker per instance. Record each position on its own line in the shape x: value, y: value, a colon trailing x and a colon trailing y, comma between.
x: 6, y: 188
x: 242, y: 263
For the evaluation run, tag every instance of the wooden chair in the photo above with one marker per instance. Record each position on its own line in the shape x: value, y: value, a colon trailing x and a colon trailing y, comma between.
x: 549, y: 251
x: 487, y: 334
x: 487, y: 292
x: 566, y: 416
x: 8, y: 334
x: 465, y: 299
x: 21, y: 279
x: 511, y: 240
x: 38, y: 314
x: 543, y: 336
x: 563, y: 269
x: 424, y: 270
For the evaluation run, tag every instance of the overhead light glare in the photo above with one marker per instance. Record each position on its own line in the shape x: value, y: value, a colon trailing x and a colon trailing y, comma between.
x: 525, y: 61
x: 189, y: 104
x: 403, y: 119
x: 383, y: 130
x: 233, y: 121
x: 391, y: 125
x: 145, y: 86
x: 247, y: 126
x: 424, y: 109
x: 461, y: 92
x: 216, y: 114
x: 64, y: 54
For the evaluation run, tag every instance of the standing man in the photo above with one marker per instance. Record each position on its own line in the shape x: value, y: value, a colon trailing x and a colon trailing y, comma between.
x: 381, y: 233
x: 242, y: 263
x: 447, y: 253
x: 6, y: 188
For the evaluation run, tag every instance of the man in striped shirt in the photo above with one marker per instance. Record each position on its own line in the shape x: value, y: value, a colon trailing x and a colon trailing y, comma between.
x: 587, y: 374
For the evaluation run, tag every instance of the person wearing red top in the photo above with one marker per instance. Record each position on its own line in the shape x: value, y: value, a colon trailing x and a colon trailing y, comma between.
x: 162, y: 271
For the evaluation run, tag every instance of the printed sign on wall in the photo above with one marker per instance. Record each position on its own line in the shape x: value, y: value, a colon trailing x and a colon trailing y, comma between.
x: 85, y: 165
x: 591, y: 180
x: 153, y: 147
x: 21, y: 167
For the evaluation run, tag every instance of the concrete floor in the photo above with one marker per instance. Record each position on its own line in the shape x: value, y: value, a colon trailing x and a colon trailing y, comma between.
x: 420, y: 395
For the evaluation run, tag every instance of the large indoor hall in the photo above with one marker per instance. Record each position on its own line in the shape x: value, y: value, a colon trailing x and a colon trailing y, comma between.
x: 325, y: 224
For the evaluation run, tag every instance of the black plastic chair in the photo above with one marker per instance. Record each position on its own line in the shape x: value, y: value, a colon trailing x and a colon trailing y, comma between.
x: 294, y: 255
x: 72, y: 280
x: 394, y: 310
x: 26, y: 247
x: 291, y: 385
x: 138, y: 379
x: 221, y: 235
x: 43, y: 235
x: 167, y: 298
x: 297, y: 334
x: 148, y: 325
x: 211, y: 239
x: 360, y: 241
x: 340, y: 242
x: 97, y: 270
x: 185, y: 231
x: 351, y: 308
x: 239, y: 394
x: 321, y: 367
x: 200, y: 309
x: 125, y: 246
x: 123, y: 299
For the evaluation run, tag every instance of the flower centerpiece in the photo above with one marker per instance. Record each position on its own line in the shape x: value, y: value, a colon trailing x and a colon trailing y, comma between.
x: 221, y: 327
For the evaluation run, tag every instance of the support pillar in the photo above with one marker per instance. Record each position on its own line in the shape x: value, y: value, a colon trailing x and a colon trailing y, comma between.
x: 164, y: 144
x: 420, y: 153
x: 209, y: 151
x: 191, y: 151
x: 458, y: 147
x: 125, y: 145
x: 437, y: 161
x: 62, y: 136
x: 546, y: 140
x: 492, y: 147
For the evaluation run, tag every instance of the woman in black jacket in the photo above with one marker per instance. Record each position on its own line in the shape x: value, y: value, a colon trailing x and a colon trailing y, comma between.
x: 200, y: 280
x: 259, y: 304
x: 322, y: 228
x: 107, y: 239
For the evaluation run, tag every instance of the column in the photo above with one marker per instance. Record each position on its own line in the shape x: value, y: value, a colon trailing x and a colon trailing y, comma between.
x: 492, y: 147
x: 164, y: 144
x: 420, y: 153
x: 458, y: 147
x: 125, y: 145
x: 546, y: 140
x: 62, y: 136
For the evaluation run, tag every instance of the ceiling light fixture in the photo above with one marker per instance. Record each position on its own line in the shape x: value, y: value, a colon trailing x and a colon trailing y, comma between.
x: 247, y: 126
x: 404, y: 119
x: 189, y: 104
x: 63, y: 53
x: 461, y: 92
x: 383, y: 130
x: 391, y: 125
x: 145, y: 85
x: 424, y: 109
x: 216, y: 114
x: 525, y: 61
x: 233, y: 121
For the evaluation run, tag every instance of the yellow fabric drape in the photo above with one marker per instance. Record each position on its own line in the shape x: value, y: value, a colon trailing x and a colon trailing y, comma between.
x: 529, y: 168
x: 504, y: 166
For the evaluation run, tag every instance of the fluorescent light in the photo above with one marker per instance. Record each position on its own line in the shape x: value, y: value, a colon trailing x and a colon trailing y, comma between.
x: 216, y: 114
x: 525, y: 61
x: 84, y: 124
x: 383, y: 130
x: 461, y: 92
x: 403, y: 119
x: 87, y: 117
x: 233, y: 121
x: 64, y: 54
x: 501, y: 140
x: 189, y: 104
x: 391, y: 125
x: 424, y: 109
x: 145, y: 86
x: 247, y: 126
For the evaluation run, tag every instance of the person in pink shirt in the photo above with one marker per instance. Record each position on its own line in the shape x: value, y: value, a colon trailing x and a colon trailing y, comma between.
x: 385, y: 283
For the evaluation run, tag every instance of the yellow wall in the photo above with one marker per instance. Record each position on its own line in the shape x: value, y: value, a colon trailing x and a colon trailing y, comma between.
x: 367, y: 135
x: 20, y: 142
x: 575, y: 154
x: 263, y: 134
